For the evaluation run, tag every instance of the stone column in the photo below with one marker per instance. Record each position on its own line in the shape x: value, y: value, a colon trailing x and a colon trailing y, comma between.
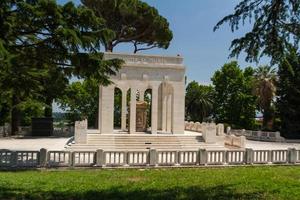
x: 178, y: 108
x: 132, y: 123
x: 164, y: 108
x: 124, y: 109
x: 154, y: 109
x: 169, y: 114
x: 106, y: 109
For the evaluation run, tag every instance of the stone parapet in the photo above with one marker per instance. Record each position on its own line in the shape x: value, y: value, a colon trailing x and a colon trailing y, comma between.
x: 258, y: 135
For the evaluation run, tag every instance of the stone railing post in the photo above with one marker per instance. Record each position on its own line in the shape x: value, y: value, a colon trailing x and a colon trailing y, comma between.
x: 202, y: 156
x: 292, y: 155
x: 43, y: 157
x: 100, y: 158
x: 177, y: 158
x: 14, y: 159
x: 270, y: 157
x: 126, y: 159
x: 72, y: 159
x: 153, y: 157
x: 81, y: 132
x: 249, y: 156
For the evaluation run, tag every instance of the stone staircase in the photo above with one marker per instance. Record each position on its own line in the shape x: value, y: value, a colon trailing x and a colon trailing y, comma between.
x: 142, y: 142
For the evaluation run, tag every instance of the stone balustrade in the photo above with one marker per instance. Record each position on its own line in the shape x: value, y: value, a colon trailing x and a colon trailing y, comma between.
x: 258, y: 135
x: 150, y: 158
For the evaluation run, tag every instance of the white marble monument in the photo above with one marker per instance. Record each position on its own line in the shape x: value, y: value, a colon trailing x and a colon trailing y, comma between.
x: 163, y: 75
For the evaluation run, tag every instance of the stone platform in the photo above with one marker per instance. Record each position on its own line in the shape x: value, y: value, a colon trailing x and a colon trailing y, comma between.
x: 143, y: 141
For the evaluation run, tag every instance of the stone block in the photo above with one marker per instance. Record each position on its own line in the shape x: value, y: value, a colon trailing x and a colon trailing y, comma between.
x: 81, y: 132
x: 194, y: 126
x: 228, y: 140
x: 209, y: 133
x: 238, y: 141
x: 198, y: 127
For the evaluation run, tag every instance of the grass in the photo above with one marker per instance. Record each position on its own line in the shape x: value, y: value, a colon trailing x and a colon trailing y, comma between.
x: 282, y: 182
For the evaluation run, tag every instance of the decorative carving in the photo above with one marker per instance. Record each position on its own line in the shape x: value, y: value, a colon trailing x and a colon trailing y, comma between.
x: 141, y: 116
x: 145, y: 59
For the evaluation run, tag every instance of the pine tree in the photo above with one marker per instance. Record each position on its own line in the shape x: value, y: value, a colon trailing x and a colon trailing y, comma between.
x: 132, y: 21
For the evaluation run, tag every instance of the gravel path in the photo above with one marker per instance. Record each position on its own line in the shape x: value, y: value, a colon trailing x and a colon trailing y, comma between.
x: 33, y: 143
x: 59, y: 144
x: 257, y: 145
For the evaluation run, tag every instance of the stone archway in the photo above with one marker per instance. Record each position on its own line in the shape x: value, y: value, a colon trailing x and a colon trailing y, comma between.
x: 163, y: 75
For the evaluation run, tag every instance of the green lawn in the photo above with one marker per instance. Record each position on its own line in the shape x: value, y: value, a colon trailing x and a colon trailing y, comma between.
x: 198, y: 183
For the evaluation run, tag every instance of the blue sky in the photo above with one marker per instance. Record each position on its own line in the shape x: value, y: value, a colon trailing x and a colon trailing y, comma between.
x: 192, y: 23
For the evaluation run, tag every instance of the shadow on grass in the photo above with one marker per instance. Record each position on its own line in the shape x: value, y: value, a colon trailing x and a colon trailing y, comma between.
x: 219, y: 192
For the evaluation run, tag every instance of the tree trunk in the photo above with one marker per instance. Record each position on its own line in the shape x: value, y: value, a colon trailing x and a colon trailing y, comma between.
x: 267, y: 119
x: 109, y: 47
x: 48, y: 108
x: 15, y: 115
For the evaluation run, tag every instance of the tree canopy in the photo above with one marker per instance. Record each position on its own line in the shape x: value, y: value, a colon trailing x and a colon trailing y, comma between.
x: 265, y: 90
x: 38, y: 37
x: 276, y: 27
x: 131, y: 21
x: 80, y: 101
x: 288, y: 92
x: 234, y: 103
x: 198, y: 102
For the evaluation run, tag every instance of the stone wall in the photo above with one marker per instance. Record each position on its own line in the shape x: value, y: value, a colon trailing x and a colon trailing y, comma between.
x: 258, y: 135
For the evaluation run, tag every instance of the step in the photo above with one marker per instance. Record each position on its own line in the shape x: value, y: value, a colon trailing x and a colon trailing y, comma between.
x: 140, y: 142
